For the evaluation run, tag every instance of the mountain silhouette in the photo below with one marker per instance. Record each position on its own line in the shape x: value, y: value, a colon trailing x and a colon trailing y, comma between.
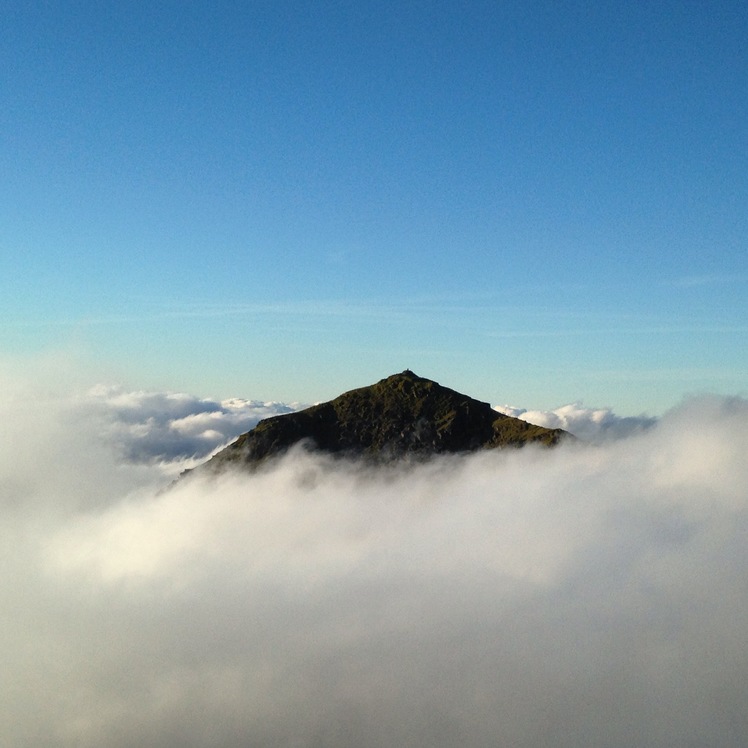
x: 402, y: 416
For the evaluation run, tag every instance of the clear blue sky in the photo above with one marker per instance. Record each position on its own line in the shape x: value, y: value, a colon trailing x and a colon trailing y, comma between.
x: 533, y: 202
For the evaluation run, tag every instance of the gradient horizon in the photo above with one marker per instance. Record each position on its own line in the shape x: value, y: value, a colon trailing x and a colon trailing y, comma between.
x: 535, y: 205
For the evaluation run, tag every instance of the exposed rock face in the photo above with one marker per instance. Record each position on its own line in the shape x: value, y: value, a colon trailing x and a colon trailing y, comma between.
x: 401, y: 416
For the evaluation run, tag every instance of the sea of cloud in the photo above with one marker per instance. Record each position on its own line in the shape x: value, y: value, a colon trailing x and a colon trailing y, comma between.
x: 594, y: 594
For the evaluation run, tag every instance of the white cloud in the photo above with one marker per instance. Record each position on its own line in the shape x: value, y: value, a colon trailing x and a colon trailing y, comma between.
x: 174, y: 427
x: 589, y: 424
x: 587, y: 595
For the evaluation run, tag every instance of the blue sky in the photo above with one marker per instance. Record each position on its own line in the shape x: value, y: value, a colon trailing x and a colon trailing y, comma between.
x: 533, y: 202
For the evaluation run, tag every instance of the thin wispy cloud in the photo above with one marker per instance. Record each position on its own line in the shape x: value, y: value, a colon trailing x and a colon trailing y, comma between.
x: 147, y: 311
x: 695, y: 281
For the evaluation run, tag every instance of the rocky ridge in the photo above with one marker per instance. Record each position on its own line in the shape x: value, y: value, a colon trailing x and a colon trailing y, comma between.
x: 402, y: 416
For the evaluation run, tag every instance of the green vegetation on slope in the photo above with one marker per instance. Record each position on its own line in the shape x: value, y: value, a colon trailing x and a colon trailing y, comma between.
x: 402, y: 415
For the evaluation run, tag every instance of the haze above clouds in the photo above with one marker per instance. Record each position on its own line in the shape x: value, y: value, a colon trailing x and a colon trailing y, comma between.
x: 593, y: 594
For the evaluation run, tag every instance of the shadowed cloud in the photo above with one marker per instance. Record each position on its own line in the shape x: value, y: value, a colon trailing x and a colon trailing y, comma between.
x: 590, y: 595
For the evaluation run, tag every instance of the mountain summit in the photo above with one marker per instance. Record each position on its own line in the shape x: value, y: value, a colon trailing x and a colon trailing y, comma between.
x: 403, y: 415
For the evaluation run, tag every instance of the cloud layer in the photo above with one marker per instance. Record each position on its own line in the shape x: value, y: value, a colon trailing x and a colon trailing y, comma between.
x: 174, y: 427
x: 589, y: 424
x: 588, y: 595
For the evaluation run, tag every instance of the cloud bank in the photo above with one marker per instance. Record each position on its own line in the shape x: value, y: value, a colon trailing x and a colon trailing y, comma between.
x: 589, y: 424
x: 588, y: 595
x: 173, y: 426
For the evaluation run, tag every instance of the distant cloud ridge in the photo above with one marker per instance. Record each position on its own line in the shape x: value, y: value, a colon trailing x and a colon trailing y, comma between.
x: 172, y: 426
x: 589, y: 424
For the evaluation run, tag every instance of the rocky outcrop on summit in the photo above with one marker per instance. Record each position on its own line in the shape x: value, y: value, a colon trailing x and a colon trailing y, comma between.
x: 401, y: 416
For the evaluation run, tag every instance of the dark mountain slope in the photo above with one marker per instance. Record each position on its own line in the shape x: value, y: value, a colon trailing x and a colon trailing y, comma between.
x: 402, y: 415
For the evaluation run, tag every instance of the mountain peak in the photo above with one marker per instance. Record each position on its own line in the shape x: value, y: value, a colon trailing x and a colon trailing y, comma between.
x: 403, y: 415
